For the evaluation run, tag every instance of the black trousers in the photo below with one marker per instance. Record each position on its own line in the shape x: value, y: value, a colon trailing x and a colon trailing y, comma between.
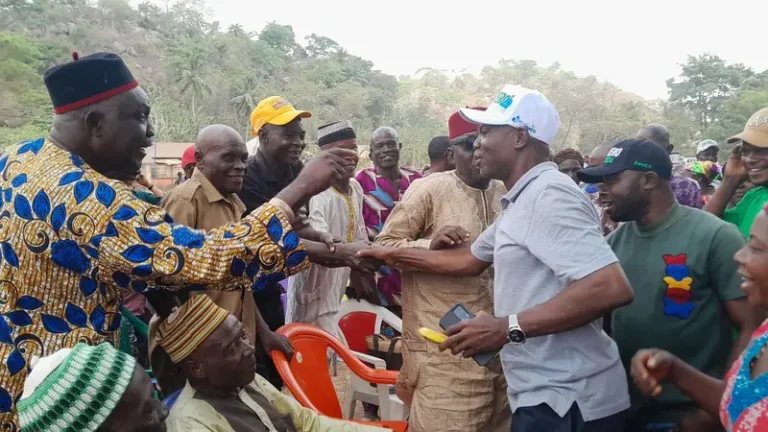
x: 541, y: 418
x: 271, y: 308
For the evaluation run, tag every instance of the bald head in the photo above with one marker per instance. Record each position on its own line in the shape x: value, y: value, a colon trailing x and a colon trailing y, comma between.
x: 215, y: 135
x: 657, y: 133
x: 220, y: 155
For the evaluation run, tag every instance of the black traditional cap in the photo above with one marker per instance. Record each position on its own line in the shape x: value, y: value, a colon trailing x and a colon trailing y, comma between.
x: 630, y: 155
x: 335, y: 132
x: 87, y: 80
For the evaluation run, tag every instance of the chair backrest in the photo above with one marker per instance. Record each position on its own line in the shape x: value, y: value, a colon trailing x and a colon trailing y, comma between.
x: 358, y: 319
x: 307, y: 375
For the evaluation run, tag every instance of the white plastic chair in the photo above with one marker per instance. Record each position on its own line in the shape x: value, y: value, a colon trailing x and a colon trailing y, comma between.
x: 392, y: 408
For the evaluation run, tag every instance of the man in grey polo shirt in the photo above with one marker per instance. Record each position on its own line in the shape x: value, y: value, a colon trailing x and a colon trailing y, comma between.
x: 555, y: 277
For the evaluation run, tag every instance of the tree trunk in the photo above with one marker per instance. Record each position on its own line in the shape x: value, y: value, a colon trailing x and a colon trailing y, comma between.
x: 568, y: 131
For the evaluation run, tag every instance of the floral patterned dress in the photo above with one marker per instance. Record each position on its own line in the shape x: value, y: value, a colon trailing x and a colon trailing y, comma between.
x: 744, y: 407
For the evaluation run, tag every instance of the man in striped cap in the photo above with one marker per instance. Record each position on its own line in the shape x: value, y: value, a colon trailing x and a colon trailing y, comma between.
x: 89, y: 388
x: 223, y: 391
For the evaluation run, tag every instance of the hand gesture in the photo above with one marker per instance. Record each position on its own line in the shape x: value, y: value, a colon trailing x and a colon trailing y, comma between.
x: 365, y: 288
x: 483, y: 333
x: 734, y: 169
x: 329, y: 241
x: 349, y: 253
x: 142, y: 179
x: 449, y: 237
x: 276, y: 342
x: 649, y: 367
x: 300, y: 219
x: 317, y: 176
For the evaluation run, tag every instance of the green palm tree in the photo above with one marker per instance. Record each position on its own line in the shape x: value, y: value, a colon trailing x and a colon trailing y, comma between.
x: 192, y: 81
x: 236, y: 30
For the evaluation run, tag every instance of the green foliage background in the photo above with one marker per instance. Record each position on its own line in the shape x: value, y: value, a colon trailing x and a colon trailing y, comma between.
x: 198, y: 73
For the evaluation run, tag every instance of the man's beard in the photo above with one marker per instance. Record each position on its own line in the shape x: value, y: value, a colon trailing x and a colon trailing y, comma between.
x: 631, y: 209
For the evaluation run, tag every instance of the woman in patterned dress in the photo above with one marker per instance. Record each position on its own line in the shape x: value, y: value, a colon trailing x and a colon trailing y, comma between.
x: 741, y: 399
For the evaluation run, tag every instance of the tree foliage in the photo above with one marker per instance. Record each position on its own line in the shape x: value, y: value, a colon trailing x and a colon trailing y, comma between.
x: 198, y: 73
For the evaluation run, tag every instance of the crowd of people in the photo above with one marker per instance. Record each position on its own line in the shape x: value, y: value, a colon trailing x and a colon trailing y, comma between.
x: 618, y: 292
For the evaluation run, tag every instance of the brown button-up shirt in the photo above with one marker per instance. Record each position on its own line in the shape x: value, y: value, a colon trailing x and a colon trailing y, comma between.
x: 198, y: 204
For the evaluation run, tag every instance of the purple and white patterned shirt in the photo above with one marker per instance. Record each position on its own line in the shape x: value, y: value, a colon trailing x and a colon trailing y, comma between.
x: 687, y: 191
x: 379, y: 198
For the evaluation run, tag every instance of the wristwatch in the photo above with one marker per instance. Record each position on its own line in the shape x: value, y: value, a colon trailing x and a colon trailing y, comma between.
x: 516, y: 334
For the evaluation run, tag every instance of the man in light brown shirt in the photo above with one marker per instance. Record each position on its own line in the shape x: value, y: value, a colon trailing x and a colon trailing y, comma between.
x: 208, y: 200
x: 446, y: 392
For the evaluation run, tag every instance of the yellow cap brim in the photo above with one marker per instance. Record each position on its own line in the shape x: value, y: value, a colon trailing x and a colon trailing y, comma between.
x: 285, y: 118
x: 752, y: 136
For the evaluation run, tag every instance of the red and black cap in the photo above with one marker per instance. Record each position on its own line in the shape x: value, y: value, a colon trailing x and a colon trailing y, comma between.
x: 630, y: 155
x: 87, y: 80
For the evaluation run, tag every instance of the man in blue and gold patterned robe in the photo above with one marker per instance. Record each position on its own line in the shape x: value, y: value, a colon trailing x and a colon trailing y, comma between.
x: 73, y: 235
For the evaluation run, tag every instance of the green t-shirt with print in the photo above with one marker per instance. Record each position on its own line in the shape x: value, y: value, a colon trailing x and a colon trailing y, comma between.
x: 747, y: 209
x: 681, y: 270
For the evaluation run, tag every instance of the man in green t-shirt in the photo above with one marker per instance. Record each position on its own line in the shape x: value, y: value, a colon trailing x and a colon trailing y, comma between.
x: 679, y: 261
x: 749, y: 160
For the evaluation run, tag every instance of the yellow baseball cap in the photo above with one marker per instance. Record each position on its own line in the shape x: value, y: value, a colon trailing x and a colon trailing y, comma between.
x: 274, y: 110
x: 756, y: 130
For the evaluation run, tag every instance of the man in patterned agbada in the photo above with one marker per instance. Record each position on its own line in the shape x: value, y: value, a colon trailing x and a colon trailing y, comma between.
x: 73, y: 236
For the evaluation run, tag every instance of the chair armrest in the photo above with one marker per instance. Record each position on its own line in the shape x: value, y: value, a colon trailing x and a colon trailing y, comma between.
x: 376, y: 375
x: 367, y: 358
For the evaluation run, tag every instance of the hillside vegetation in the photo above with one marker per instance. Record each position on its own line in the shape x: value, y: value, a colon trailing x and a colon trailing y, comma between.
x: 198, y: 73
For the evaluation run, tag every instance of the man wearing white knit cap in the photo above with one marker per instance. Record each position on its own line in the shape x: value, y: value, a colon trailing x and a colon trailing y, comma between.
x: 555, y: 277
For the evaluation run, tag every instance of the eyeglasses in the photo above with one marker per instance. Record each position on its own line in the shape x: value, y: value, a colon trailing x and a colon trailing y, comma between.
x: 468, y: 144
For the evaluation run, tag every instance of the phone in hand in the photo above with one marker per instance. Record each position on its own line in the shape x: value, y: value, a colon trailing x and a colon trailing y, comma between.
x: 458, y: 314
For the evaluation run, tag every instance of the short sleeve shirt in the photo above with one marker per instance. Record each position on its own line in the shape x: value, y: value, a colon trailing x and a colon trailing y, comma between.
x: 547, y: 236
x: 747, y: 210
x: 259, y: 185
x: 682, y: 270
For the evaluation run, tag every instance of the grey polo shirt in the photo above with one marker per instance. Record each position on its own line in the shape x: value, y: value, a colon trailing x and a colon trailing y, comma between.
x: 547, y: 236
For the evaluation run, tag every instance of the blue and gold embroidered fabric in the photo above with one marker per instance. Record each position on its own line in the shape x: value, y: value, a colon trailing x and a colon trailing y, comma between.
x: 72, y: 239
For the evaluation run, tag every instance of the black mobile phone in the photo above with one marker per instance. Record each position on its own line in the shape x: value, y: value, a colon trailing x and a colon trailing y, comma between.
x: 458, y: 314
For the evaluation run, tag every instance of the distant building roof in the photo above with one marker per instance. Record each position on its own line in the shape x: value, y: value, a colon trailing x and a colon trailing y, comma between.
x: 168, y: 153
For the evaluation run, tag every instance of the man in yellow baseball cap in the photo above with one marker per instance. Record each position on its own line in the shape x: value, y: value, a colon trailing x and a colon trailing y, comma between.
x: 748, y: 161
x: 277, y: 124
x: 274, y: 110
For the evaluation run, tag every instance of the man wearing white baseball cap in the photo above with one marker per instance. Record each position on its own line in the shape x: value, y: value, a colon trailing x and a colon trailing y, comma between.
x: 707, y: 150
x: 555, y: 277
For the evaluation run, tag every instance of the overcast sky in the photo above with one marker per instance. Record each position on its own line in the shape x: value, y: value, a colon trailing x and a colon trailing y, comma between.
x: 636, y: 45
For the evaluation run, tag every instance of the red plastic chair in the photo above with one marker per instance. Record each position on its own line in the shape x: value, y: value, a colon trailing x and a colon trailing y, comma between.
x: 308, y: 378
x: 358, y: 319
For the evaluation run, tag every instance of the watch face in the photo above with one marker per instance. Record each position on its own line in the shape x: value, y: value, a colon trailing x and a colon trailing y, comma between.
x: 516, y: 336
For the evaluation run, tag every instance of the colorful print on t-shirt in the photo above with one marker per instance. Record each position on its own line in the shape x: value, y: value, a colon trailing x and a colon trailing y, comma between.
x: 677, y: 297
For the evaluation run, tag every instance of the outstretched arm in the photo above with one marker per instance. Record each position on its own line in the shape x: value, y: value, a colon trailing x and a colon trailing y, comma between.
x: 141, y: 247
x: 456, y: 262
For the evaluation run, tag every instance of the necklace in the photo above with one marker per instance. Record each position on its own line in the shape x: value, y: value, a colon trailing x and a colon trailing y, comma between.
x: 352, y: 219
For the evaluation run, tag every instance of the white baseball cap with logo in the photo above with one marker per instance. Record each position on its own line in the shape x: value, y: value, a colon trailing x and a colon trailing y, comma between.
x: 520, y: 108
